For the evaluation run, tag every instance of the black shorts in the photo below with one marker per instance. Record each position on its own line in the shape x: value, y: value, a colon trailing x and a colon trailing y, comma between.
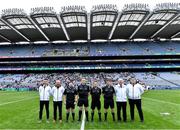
x: 108, y: 103
x: 95, y: 104
x: 82, y: 102
x: 70, y: 104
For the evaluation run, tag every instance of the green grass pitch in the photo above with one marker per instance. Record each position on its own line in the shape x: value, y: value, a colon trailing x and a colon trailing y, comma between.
x: 19, y: 110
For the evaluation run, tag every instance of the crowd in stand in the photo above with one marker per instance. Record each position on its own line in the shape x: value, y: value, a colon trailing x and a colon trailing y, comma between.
x: 32, y: 81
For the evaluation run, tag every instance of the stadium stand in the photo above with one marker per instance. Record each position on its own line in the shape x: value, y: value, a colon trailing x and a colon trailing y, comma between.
x: 92, y: 49
x: 135, y: 39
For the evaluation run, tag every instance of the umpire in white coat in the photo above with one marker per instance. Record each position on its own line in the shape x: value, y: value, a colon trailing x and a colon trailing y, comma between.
x: 44, y: 93
x: 57, y: 93
x: 121, y: 99
x: 135, y: 90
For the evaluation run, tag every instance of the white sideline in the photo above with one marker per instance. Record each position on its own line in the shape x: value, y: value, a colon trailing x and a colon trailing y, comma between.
x: 16, y: 101
x: 83, y: 121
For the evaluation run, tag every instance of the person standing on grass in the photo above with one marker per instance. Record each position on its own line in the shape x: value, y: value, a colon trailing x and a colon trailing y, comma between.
x: 70, y: 99
x: 83, y: 92
x: 57, y: 92
x: 121, y: 99
x: 134, y: 91
x: 108, y: 92
x: 44, y: 93
x: 95, y: 94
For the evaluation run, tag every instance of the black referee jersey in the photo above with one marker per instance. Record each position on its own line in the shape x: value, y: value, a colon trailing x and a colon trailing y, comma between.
x: 83, y: 91
x: 108, y: 92
x: 70, y: 93
x: 95, y: 95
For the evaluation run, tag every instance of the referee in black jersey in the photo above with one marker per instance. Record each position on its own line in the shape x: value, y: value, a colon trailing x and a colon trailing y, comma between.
x: 108, y: 92
x: 83, y: 92
x: 95, y: 95
x: 70, y: 100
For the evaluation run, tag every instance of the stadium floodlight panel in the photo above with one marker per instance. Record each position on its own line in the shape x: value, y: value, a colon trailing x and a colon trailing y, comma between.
x: 13, y: 11
x: 103, y: 20
x: 74, y: 19
x: 43, y: 20
x: 167, y: 6
x: 104, y: 17
x: 136, y: 6
x: 42, y: 10
x: 161, y: 16
x: 132, y: 17
x: 17, y: 21
x: 104, y: 7
x: 74, y: 8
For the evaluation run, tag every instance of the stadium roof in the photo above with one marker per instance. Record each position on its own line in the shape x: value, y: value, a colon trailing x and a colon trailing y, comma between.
x: 103, y: 22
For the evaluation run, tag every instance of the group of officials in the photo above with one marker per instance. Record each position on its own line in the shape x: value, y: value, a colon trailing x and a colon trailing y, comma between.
x: 70, y: 96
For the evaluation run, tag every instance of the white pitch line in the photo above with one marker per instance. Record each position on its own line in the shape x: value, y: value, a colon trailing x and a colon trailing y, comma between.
x: 16, y: 101
x: 83, y: 121
x: 152, y: 99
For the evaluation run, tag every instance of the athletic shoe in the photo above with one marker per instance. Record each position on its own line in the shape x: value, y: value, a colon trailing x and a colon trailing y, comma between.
x: 47, y: 121
x: 40, y: 121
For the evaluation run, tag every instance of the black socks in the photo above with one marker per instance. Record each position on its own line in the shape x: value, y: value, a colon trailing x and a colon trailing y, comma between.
x: 105, y: 116
x: 99, y: 116
x: 73, y: 116
x: 67, y: 116
x: 92, y: 116
x: 80, y: 114
x: 86, y: 116
x: 113, y: 116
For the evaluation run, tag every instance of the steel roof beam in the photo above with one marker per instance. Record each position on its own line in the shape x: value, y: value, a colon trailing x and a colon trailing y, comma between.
x: 165, y: 26
x: 5, y: 38
x: 173, y: 36
x: 38, y: 28
x: 114, y: 26
x: 89, y: 26
x: 13, y: 28
x: 141, y: 24
x: 63, y: 27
